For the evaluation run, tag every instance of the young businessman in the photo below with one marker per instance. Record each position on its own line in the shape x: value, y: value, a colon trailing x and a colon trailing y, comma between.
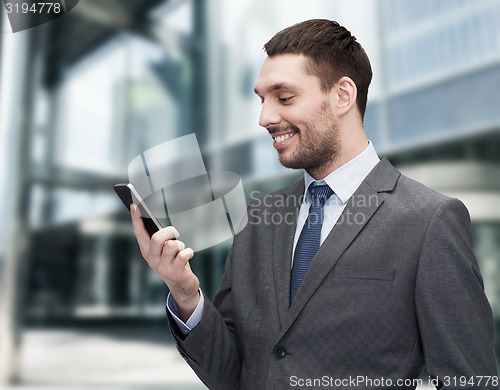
x: 372, y: 279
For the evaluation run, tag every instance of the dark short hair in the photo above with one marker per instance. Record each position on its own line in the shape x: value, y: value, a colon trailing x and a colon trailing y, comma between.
x: 332, y: 53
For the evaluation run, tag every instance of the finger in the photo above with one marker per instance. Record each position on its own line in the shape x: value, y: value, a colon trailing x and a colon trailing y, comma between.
x: 176, y: 269
x: 170, y: 266
x: 170, y: 250
x: 183, y: 257
x: 159, y: 239
x: 172, y: 247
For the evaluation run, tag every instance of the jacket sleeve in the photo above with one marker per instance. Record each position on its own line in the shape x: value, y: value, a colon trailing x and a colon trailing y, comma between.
x: 211, y: 348
x: 454, y: 316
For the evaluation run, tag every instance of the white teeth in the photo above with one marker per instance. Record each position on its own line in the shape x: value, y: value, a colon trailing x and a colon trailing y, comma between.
x: 281, y: 138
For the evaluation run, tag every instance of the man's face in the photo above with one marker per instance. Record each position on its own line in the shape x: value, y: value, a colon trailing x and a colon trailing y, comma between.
x: 297, y: 114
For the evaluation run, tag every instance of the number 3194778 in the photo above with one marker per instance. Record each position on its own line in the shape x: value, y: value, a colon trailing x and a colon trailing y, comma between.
x: 36, y: 8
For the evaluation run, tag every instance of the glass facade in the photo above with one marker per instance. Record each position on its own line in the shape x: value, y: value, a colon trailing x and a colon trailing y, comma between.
x: 436, y: 55
x: 432, y: 39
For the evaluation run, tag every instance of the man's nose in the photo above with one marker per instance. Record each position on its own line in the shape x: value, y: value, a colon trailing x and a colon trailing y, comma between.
x: 269, y: 115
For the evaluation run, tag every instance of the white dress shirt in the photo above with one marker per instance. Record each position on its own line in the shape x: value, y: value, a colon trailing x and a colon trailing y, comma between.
x: 343, y: 181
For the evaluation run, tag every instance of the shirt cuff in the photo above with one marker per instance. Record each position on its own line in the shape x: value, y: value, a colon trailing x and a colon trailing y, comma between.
x: 192, y: 321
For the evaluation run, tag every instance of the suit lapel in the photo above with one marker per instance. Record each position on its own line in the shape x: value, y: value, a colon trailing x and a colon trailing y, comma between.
x: 283, y: 244
x: 358, y: 211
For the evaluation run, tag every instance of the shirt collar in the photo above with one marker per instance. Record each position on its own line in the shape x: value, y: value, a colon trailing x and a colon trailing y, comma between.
x: 345, y: 180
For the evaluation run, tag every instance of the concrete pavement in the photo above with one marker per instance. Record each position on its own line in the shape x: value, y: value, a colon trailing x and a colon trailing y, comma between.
x: 110, y: 359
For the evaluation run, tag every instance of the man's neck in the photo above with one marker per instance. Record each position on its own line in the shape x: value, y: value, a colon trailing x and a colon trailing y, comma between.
x: 344, y: 157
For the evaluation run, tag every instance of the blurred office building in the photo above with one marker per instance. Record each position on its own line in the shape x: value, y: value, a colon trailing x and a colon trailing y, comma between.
x: 83, y: 95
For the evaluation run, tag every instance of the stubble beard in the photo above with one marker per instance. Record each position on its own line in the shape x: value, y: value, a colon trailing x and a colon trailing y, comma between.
x: 318, y: 145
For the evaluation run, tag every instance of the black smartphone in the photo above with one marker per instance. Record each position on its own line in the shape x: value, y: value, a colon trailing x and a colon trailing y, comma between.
x: 128, y: 194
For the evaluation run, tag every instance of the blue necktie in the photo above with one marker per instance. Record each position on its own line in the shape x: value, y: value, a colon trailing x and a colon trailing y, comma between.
x: 309, y: 240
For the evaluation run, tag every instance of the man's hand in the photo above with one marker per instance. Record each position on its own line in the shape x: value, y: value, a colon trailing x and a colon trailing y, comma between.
x: 170, y: 260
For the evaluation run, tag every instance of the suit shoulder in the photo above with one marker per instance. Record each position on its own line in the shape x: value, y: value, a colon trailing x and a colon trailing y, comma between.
x: 415, y: 195
x: 419, y: 189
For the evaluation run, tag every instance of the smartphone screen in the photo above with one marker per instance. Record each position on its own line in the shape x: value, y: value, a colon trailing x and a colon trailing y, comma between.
x: 128, y: 194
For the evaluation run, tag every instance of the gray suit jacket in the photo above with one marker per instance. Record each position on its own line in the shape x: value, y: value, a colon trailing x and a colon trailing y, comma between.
x: 394, y: 287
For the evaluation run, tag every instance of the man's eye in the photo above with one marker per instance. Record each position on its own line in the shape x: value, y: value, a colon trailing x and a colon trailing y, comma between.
x: 285, y: 99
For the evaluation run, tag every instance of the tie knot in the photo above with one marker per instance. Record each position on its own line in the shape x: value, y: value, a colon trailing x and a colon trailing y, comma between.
x: 320, y: 191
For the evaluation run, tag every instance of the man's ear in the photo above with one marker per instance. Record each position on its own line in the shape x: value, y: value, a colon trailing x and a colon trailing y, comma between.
x: 345, y: 94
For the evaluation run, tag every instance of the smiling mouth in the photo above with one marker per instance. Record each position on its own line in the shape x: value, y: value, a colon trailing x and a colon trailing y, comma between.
x: 283, y: 139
